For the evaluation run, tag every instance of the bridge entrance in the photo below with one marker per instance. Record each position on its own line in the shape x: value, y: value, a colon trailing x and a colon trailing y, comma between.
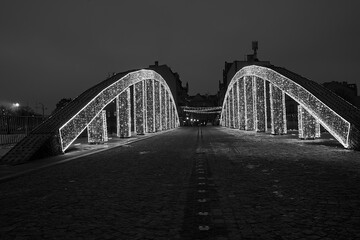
x: 142, y: 103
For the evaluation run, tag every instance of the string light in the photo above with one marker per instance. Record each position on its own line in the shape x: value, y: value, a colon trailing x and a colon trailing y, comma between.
x: 157, y: 105
x: 150, y: 105
x: 249, y: 104
x: 309, y: 127
x: 260, y: 114
x: 123, y: 114
x: 231, y: 108
x: 203, y: 112
x: 97, y: 129
x: 163, y: 108
x: 139, y: 106
x: 277, y: 111
x: 236, y: 106
x: 242, y: 105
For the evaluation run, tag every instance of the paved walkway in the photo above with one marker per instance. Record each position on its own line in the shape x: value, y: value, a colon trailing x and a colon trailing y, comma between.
x: 191, y: 183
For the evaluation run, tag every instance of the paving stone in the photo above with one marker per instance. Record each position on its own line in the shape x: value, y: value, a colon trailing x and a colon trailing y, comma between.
x: 121, y: 194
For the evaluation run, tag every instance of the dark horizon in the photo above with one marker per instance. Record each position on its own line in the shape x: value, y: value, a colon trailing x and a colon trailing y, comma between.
x: 55, y: 50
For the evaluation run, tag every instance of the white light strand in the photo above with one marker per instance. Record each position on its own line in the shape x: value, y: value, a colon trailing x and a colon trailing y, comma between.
x: 97, y: 129
x: 186, y: 108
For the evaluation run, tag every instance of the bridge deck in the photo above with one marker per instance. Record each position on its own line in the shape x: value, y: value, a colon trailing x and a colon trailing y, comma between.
x: 257, y: 186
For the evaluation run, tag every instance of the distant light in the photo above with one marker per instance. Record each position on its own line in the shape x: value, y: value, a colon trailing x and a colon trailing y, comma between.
x: 16, y: 104
x: 187, y: 118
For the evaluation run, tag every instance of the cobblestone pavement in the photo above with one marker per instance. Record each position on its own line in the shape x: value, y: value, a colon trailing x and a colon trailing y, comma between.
x: 191, y: 183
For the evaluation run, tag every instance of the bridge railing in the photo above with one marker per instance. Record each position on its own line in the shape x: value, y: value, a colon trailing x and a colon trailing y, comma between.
x: 14, y: 128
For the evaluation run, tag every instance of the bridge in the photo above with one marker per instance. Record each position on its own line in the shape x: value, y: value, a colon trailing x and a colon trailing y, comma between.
x: 145, y: 104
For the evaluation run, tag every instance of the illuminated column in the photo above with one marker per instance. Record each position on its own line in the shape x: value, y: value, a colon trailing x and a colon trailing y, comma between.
x: 249, y: 103
x: 228, y: 120
x: 241, y: 104
x: 157, y: 95
x: 223, y: 116
x: 150, y: 106
x: 173, y: 116
x: 278, y: 110
x: 97, y: 129
x: 231, y: 108
x: 123, y: 114
x: 145, y: 106
x: 163, y: 108
x: 259, y: 95
x: 309, y: 127
x: 167, y: 110
x: 236, y: 105
x: 139, y: 113
x: 170, y: 113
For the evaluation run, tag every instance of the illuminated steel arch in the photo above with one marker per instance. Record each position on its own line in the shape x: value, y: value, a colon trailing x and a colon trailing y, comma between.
x: 245, y: 105
x: 154, y: 109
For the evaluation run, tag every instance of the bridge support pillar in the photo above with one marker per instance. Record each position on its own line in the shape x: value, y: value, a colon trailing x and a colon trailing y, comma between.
x: 231, y: 108
x: 139, y: 107
x: 227, y: 124
x: 309, y: 127
x: 150, y: 106
x: 236, y: 105
x: 170, y: 114
x: 163, y: 108
x: 259, y: 94
x: 167, y: 111
x: 241, y: 100
x: 173, y: 116
x: 277, y: 110
x: 223, y: 116
x: 157, y: 95
x: 123, y: 114
x: 249, y: 103
x: 97, y: 129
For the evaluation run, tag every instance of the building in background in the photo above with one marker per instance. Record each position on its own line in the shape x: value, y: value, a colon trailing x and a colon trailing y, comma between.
x: 231, y: 68
x: 348, y: 91
x: 172, y: 79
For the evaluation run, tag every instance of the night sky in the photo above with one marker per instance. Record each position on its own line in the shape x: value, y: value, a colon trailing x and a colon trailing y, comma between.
x: 57, y: 49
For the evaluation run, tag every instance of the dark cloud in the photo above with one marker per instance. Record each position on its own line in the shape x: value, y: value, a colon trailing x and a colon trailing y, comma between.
x: 55, y: 49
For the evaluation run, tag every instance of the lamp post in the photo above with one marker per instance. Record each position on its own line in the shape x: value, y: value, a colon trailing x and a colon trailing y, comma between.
x: 15, y: 107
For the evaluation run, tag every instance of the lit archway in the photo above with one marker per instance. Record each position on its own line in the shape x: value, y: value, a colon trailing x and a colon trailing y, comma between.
x: 245, y: 107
